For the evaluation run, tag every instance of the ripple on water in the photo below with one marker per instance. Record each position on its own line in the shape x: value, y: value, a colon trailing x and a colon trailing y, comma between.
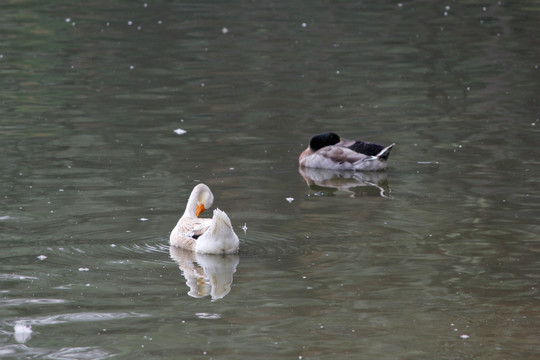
x: 88, y: 256
x: 264, y: 243
x: 18, y: 302
x: 22, y: 351
x: 73, y: 317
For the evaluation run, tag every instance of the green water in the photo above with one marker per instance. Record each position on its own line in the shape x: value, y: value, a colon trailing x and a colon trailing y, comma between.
x: 437, y: 257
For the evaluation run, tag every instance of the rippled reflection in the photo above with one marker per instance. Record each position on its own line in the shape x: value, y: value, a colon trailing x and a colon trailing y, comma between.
x: 206, y: 274
x: 354, y: 182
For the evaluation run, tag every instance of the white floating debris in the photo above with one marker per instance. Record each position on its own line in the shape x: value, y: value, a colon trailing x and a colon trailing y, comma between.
x: 42, y: 257
x: 143, y: 219
x: 180, y: 131
x: 204, y: 315
x: 289, y: 199
x: 68, y: 20
x: 84, y: 269
x: 224, y: 31
x: 131, y: 67
x: 130, y: 22
x: 304, y: 25
x: 464, y: 336
x: 22, y: 332
x: 244, y: 228
x: 113, y: 245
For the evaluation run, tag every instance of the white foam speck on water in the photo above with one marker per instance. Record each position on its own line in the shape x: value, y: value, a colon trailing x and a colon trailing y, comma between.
x: 180, y: 131
x: 84, y: 269
x: 42, y: 257
x: 22, y: 332
x: 289, y: 199
x: 203, y: 315
x: 244, y: 228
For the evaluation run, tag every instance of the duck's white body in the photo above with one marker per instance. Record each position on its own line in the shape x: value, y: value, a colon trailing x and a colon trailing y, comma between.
x: 328, y: 151
x: 205, y: 236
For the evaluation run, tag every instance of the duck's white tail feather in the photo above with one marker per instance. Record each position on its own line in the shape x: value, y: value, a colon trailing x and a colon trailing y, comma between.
x: 384, y: 153
x: 221, y: 223
x: 220, y: 237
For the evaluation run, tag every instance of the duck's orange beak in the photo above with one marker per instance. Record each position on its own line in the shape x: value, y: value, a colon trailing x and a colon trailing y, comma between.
x: 200, y: 209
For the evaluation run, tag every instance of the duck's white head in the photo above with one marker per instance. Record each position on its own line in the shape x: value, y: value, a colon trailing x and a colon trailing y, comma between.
x: 201, y: 199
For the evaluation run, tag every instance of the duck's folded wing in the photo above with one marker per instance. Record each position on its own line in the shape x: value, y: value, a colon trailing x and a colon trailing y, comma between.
x: 194, y: 227
x: 363, y: 147
x: 340, y: 154
x: 200, y: 228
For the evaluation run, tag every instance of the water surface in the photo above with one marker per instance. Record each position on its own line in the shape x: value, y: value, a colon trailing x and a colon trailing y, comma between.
x: 437, y: 257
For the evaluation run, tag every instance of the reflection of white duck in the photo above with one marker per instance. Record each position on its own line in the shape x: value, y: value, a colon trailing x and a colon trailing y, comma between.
x: 346, y: 180
x: 329, y: 151
x: 207, y: 236
x: 206, y: 274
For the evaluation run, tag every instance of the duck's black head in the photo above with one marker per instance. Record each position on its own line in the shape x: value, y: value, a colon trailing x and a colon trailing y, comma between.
x: 319, y: 141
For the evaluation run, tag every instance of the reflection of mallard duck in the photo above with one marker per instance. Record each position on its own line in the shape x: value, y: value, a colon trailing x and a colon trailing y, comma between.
x: 329, y: 151
x: 208, y: 236
x: 348, y: 181
x: 206, y: 274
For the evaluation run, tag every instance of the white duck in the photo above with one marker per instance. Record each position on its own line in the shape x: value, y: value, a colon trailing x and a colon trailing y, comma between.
x: 205, y: 236
x: 329, y: 151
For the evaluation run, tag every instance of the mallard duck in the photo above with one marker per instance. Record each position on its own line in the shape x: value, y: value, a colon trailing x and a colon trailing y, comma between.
x: 329, y: 151
x: 206, y: 236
